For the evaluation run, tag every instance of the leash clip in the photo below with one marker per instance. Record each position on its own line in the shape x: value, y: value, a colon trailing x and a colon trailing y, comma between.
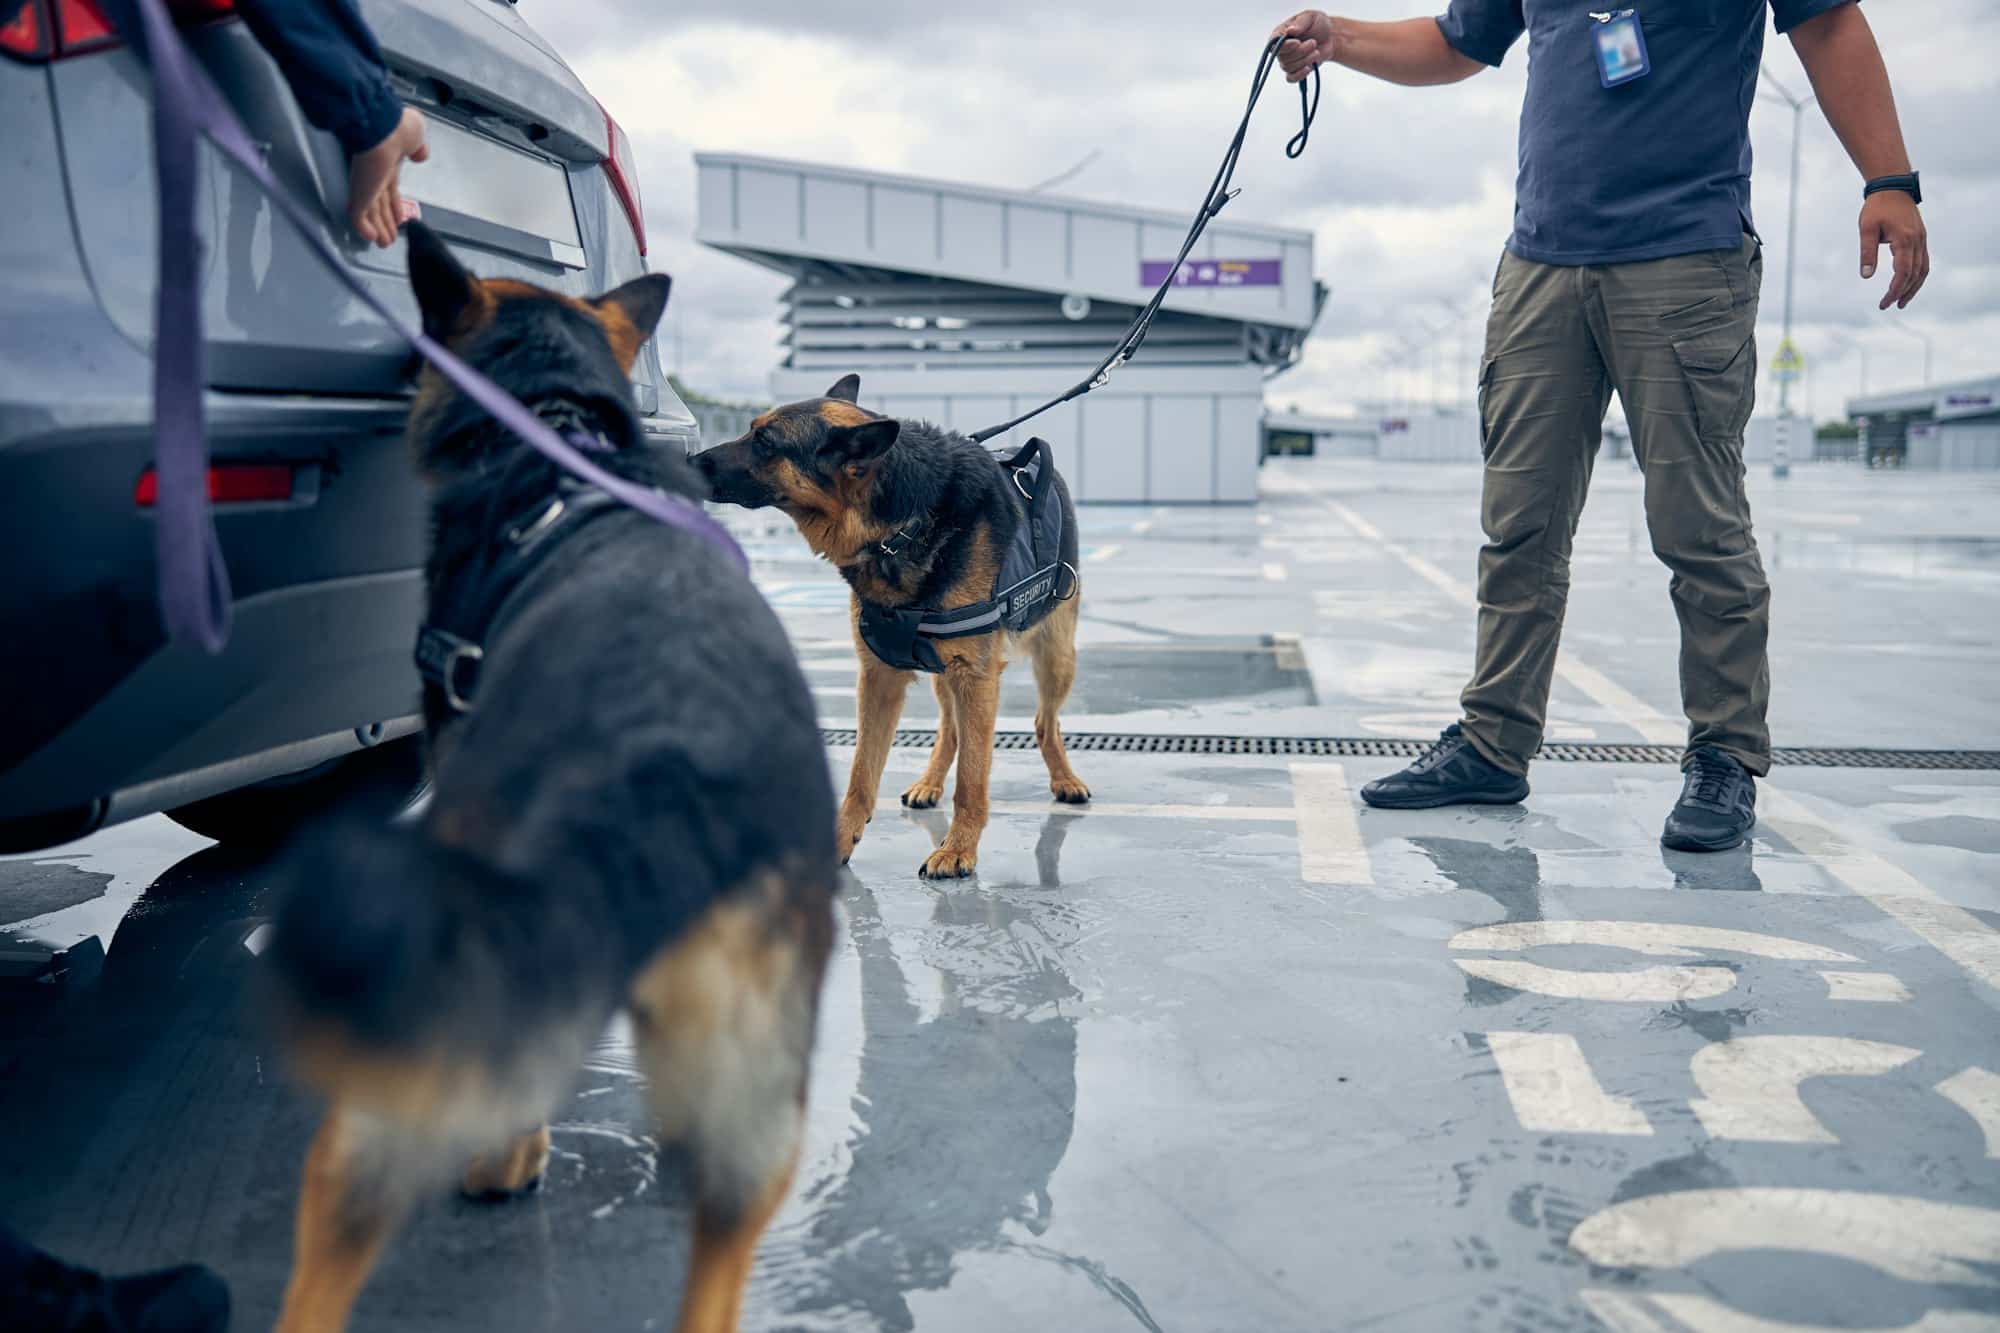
x: 528, y: 532
x: 462, y: 655
x: 451, y: 663
x: 1104, y: 375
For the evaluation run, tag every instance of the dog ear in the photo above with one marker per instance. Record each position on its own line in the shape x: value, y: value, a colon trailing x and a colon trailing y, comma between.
x: 855, y: 446
x: 445, y: 289
x: 642, y: 300
x: 847, y: 389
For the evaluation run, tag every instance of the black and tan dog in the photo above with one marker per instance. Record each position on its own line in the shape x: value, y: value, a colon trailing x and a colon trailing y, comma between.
x: 852, y: 481
x: 634, y: 812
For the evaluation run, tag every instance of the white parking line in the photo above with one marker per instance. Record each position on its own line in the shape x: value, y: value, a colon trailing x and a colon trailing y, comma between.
x: 1330, y: 847
x: 1251, y: 814
x: 1552, y: 1088
x: 1647, y: 985
x: 1103, y: 553
x: 1750, y: 1085
x: 1917, y: 1240
x: 1655, y: 726
x: 1950, y: 929
x: 1976, y: 1092
x: 1871, y: 987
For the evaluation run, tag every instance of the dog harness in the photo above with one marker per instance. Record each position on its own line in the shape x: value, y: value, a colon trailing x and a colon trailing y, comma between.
x: 450, y: 647
x: 1029, y: 585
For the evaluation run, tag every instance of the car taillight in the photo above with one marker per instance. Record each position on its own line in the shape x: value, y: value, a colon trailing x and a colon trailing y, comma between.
x: 26, y: 35
x: 228, y: 483
x: 623, y: 169
x: 56, y: 29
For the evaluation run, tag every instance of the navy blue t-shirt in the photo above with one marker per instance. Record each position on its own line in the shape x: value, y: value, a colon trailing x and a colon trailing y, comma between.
x: 1654, y: 167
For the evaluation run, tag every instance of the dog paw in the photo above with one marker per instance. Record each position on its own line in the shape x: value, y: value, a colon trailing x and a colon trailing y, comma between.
x: 514, y: 1170
x: 1070, y: 791
x: 946, y: 863
x: 923, y: 795
x: 847, y: 832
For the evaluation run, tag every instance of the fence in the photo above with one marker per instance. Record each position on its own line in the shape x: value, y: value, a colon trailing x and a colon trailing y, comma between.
x: 721, y: 421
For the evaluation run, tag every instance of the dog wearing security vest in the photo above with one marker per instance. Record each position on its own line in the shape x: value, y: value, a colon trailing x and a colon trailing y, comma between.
x: 630, y: 810
x: 953, y: 555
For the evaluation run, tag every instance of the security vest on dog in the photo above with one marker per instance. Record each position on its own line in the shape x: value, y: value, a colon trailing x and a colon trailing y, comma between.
x: 1033, y: 577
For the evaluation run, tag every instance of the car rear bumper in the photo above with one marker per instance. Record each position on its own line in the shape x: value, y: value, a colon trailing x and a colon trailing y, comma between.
x: 105, y: 719
x: 327, y: 592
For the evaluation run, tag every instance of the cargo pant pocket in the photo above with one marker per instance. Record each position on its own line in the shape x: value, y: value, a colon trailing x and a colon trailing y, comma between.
x: 1719, y: 366
x: 1483, y: 399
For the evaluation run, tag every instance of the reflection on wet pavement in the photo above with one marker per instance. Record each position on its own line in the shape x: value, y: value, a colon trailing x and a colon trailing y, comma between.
x: 1222, y: 1051
x: 897, y: 1220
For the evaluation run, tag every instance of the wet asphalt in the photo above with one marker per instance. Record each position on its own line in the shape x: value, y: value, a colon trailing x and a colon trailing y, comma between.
x: 1226, y: 1050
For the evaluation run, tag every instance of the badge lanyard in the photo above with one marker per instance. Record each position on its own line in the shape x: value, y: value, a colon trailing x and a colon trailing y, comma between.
x: 1620, y: 44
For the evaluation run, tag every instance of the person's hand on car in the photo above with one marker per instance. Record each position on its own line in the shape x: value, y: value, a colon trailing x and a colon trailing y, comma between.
x: 375, y: 204
x: 1314, y: 31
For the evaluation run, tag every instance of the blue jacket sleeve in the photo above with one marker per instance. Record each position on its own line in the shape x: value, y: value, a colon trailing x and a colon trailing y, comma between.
x: 330, y: 58
x: 1482, y: 30
x: 1789, y: 14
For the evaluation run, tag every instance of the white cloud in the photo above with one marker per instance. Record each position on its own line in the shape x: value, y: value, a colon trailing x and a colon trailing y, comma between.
x: 1407, y: 190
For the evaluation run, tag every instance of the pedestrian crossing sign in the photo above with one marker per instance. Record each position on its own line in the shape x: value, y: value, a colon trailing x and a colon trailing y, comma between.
x: 1788, y: 364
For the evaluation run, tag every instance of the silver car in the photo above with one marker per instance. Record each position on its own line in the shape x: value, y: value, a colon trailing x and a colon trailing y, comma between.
x: 320, y: 513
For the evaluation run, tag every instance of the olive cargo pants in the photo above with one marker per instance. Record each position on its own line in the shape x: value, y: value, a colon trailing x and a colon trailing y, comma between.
x: 1674, y: 338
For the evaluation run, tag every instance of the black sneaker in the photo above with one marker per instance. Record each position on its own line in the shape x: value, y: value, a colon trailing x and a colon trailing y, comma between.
x: 1451, y: 772
x: 1717, y: 808
x: 48, y: 1296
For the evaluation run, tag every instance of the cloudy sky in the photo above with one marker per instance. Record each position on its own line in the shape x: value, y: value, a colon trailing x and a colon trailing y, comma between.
x: 1409, y: 191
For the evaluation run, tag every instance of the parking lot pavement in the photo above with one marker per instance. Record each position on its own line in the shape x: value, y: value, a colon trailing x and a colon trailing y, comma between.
x: 1226, y: 1050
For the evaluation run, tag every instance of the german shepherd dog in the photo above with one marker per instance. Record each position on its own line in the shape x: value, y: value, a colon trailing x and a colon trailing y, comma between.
x: 850, y: 479
x: 635, y: 812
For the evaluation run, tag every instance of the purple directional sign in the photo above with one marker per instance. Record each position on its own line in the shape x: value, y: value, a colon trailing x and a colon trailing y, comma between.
x: 1214, y: 272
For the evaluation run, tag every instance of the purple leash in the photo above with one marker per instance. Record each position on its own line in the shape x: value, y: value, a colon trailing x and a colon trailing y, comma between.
x: 193, y: 582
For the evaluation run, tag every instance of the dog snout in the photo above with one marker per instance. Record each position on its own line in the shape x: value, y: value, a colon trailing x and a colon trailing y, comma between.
x: 731, y: 480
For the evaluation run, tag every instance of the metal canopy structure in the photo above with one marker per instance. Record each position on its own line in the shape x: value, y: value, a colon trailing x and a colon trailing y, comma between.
x: 966, y: 305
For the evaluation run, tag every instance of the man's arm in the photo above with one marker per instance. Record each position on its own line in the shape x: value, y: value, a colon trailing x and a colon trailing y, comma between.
x: 1841, y: 58
x: 329, y: 57
x: 1408, y: 51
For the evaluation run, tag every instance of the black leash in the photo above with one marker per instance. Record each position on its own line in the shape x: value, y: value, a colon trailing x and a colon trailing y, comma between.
x: 1219, y: 194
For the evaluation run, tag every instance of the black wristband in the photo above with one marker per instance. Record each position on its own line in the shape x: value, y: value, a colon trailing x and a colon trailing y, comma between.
x: 1907, y: 184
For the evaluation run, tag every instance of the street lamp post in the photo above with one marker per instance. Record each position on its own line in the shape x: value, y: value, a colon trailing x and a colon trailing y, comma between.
x: 1913, y: 331
x: 1781, y: 454
x: 1844, y: 344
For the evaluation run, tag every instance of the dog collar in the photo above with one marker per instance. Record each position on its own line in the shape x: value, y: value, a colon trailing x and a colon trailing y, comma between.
x: 449, y: 653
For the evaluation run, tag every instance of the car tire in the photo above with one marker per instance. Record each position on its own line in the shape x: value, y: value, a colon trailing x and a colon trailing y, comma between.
x: 379, y: 782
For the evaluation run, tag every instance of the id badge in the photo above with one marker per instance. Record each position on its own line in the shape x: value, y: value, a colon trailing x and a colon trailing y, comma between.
x: 1621, y: 47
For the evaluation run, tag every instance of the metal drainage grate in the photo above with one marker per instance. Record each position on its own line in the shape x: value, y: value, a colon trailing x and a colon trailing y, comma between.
x: 1346, y: 747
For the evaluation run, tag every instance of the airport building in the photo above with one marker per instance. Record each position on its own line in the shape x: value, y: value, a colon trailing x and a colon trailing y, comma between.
x: 1945, y: 426
x: 967, y: 306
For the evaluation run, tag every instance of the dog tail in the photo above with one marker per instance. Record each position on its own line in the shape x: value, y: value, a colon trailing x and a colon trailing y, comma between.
x: 389, y: 948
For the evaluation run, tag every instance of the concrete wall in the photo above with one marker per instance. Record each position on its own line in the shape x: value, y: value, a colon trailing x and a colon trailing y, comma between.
x: 719, y: 423
x: 1425, y: 436
x: 1346, y: 444
x: 1159, y: 435
x: 1954, y: 446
